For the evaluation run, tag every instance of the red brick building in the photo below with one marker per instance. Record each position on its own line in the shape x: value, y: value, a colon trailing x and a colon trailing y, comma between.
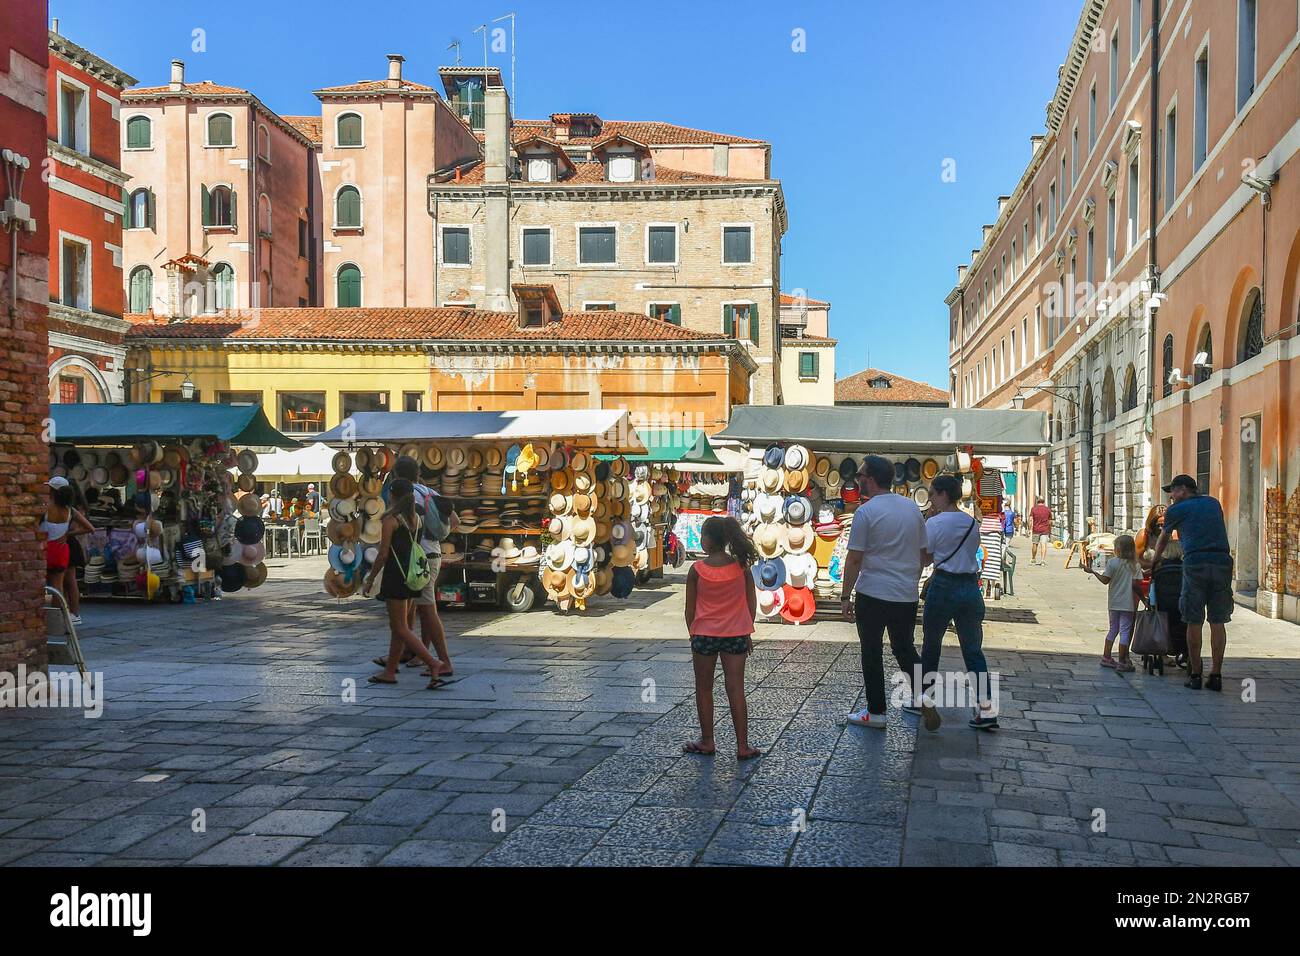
x: 24, y: 251
x: 88, y: 202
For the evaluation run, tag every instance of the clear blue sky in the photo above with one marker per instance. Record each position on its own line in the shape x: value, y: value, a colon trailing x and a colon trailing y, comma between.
x: 860, y: 123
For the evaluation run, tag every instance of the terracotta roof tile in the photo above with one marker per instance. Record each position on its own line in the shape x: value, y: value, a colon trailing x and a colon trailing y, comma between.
x: 788, y: 299
x: 309, y: 126
x: 651, y: 133
x: 857, y: 389
x: 589, y: 174
x: 376, y: 86
x: 202, y: 88
x: 409, y: 324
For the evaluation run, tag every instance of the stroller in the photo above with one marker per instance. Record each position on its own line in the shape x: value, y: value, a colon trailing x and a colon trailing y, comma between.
x: 1166, y: 586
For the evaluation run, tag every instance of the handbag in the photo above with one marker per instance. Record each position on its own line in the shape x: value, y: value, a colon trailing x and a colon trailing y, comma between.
x: 925, y: 588
x: 1150, y: 633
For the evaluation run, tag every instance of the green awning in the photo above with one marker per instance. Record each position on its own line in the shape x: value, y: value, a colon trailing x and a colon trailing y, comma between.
x: 164, y: 421
x: 675, y: 446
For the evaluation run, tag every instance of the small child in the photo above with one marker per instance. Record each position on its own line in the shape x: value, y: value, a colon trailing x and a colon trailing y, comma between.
x: 720, y: 606
x: 1122, y: 575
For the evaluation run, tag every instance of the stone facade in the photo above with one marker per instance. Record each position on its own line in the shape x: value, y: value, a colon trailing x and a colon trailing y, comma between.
x: 24, y: 294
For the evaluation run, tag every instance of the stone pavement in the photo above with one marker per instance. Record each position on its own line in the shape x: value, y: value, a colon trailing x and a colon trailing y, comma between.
x: 235, y: 734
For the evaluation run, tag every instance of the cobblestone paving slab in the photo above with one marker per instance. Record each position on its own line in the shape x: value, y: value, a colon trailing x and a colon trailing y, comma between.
x: 246, y: 734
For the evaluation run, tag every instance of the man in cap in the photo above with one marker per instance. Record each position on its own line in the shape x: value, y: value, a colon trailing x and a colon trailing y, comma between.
x: 313, y: 499
x: 882, y: 574
x: 1207, y: 573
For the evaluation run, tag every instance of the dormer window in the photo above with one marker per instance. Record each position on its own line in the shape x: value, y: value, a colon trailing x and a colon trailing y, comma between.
x: 621, y: 168
x: 541, y: 169
x: 534, y: 317
x: 880, y: 382
x: 538, y: 304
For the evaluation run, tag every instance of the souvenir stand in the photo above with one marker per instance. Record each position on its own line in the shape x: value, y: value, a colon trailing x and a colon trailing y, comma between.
x: 799, y: 491
x: 536, y: 511
x: 194, y: 464
x: 655, y: 487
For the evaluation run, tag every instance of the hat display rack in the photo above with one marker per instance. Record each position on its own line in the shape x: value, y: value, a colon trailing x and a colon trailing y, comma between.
x: 590, y: 540
x: 194, y: 533
x: 655, y: 499
x: 356, y: 513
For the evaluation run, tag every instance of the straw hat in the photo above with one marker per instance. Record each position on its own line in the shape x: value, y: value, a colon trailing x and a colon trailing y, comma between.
x: 796, y: 481
x: 371, y: 485
x: 582, y: 481
x: 822, y: 468
x: 797, y: 510
x: 800, y: 605
x: 341, y: 463
x: 555, y: 581
x: 343, y: 485
x: 456, y: 456
x: 99, y: 476
x: 372, y: 531
x: 798, y: 539
x: 255, y: 576
x: 247, y: 482
x: 767, y: 506
x: 767, y: 539
x: 833, y: 481
x: 559, y: 555
x: 770, y: 602
x: 559, y: 481
x: 584, y: 530
x: 340, y: 531
x: 622, y: 555
x: 583, y: 504
x: 580, y: 461
x: 801, y: 570
x: 559, y: 459
x: 922, y: 497
x: 769, y: 479
x: 246, y: 459
x: 796, y: 458
x: 337, y: 586
x: 372, y: 506
x: 770, y: 573
x: 433, y: 456
x: 929, y: 468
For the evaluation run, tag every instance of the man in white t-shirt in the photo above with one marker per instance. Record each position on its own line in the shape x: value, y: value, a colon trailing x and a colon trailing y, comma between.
x: 882, y: 574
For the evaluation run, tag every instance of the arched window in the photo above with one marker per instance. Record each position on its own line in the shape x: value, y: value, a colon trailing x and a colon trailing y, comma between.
x: 264, y: 213
x: 139, y: 133
x: 1130, y: 389
x: 221, y: 130
x: 219, y: 206
x: 223, y: 286
x: 140, y: 292
x: 1252, y: 326
x: 348, y: 130
x: 347, y: 208
x: 1205, y: 347
x: 1087, y: 409
x: 1051, y: 426
x: 349, y: 287
x: 139, y: 213
x: 1108, y: 397
x: 1167, y: 362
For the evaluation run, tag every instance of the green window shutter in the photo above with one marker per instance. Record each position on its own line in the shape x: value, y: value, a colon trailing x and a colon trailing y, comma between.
x: 233, y: 207
x: 151, y: 211
x: 729, y: 321
x: 816, y: 365
x: 205, y: 206
x: 753, y: 323
x: 675, y: 314
x: 126, y: 209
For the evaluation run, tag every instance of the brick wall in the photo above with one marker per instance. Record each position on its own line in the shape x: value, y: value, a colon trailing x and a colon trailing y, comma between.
x: 23, y: 407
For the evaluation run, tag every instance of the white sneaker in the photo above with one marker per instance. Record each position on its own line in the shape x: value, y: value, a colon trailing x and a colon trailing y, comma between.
x: 75, y: 618
x: 864, y: 718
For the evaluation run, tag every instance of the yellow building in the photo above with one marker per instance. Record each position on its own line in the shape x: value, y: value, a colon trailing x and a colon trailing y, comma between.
x: 312, y: 368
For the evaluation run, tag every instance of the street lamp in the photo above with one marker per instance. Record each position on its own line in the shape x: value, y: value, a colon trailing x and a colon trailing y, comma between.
x: 188, y: 388
x: 1018, y: 400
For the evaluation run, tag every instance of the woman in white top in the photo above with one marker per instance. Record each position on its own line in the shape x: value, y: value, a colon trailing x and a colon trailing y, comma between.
x: 953, y: 597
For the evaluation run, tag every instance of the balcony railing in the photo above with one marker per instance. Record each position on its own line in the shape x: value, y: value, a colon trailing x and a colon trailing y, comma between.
x: 472, y: 111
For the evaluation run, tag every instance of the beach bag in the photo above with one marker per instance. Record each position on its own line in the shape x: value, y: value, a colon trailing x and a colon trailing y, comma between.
x: 1150, y: 633
x: 416, y: 572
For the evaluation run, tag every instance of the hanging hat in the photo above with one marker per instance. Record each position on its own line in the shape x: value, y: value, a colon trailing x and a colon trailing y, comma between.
x: 337, y: 531
x: 851, y: 496
x: 768, y: 506
x: 770, y: 602
x: 796, y: 481
x: 624, y: 581
x: 372, y: 531
x: 343, y: 485
x: 900, y: 472
x: 433, y: 457
x: 833, y: 481
x: 622, y: 554
x: 255, y: 576
x: 929, y: 468
x: 247, y: 460
x: 345, y: 558
x: 555, y: 581
x: 364, y: 456
x: 582, y: 481
x: 341, y: 509
x: 584, y: 530
x: 371, y: 485
x: 800, y: 605
x: 559, y: 459
x: 506, y: 549
x: 773, y: 456
x: 583, y: 504
x: 99, y: 476
x: 580, y: 461
x: 620, y: 532
x: 559, y: 555
x: 801, y: 570
x: 796, y: 458
x: 797, y: 509
x: 336, y: 585
x: 456, y: 456
x: 769, y: 479
x: 618, y: 467
x: 769, y: 573
x: 341, y: 462
x: 912, y: 469
x: 251, y: 553
x: 767, y: 539
x: 232, y: 577
x: 247, y: 482
x: 372, y: 506
x: 822, y: 468
x: 250, y: 529
x: 798, y: 538
x: 922, y: 497
x: 848, y: 470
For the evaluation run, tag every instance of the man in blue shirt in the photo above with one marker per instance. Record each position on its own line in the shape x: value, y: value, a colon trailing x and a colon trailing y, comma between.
x: 1207, y: 573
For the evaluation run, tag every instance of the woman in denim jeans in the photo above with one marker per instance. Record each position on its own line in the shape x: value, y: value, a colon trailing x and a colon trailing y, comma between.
x: 953, y: 595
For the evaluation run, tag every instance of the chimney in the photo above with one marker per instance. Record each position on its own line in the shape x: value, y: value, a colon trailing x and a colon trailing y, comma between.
x: 496, y: 134
x: 54, y: 28
x: 1035, y: 143
x: 178, y: 76
x: 721, y: 159
x: 496, y: 156
x: 1002, y: 203
x: 395, y: 61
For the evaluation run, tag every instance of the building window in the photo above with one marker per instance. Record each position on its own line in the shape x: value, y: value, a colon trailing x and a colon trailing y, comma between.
x: 139, y: 133
x: 1051, y: 209
x: 1114, y: 68
x: 1130, y: 389
x: 348, y: 281
x: 740, y: 321
x: 1201, y: 118
x: 218, y: 206
x: 661, y: 244
x: 1166, y: 460
x: 140, y: 293
x: 347, y: 208
x: 223, y: 286
x: 302, y: 411
x: 72, y: 389
x: 1135, y: 28
x: 598, y: 306
x: 75, y: 273
x: 303, y: 241
x: 1108, y: 396
x: 139, y: 211
x: 1089, y: 259
x: 1038, y: 228
x: 808, y: 365
x: 737, y: 244
x: 597, y: 245
x: 1133, y: 203
x: 239, y: 398
x: 455, y: 246
x: 1111, y: 226
x: 1245, y: 51
x: 541, y: 169
x: 352, y: 402
x: 1203, y: 369
x: 670, y: 312
x: 1024, y: 246
x: 1203, y: 461
x: 621, y: 169
x: 264, y: 215
x: 221, y: 130
x: 1092, y: 117
x: 1252, y: 330
x: 537, y: 247
x: 74, y: 116
x: 1167, y: 363
x: 264, y: 143
x: 413, y: 401
x: 1170, y: 144
x: 348, y: 130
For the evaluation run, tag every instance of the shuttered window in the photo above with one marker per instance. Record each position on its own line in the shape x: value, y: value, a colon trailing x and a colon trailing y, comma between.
x: 349, y: 287
x: 141, y: 289
x: 737, y: 244
x: 221, y: 130
x: 741, y: 321
x: 537, y: 247
x: 808, y: 364
x: 139, y: 133
x: 667, y: 312
x: 596, y: 245
x: 663, y: 244
x: 349, y: 130
x: 347, y: 208
x: 455, y: 246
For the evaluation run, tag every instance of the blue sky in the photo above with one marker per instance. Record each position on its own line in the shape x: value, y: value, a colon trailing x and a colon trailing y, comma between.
x: 860, y: 123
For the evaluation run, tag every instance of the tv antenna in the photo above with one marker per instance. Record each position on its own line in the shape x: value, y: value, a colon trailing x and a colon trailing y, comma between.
x: 514, y: 91
x: 455, y: 45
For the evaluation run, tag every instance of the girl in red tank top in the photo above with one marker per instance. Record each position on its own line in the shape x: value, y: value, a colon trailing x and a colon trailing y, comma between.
x: 720, y: 606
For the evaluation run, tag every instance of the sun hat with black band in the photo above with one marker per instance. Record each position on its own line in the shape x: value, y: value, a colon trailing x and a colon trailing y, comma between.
x: 1183, y: 481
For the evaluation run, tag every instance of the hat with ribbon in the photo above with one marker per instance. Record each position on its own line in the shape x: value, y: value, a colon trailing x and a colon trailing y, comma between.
x: 797, y: 509
x: 770, y: 602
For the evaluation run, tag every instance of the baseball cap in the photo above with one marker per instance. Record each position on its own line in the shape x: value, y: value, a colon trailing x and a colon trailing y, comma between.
x: 58, y: 481
x: 1182, y: 481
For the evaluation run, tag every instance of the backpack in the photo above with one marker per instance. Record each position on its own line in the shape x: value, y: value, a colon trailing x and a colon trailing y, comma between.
x: 434, y: 526
x: 417, y: 574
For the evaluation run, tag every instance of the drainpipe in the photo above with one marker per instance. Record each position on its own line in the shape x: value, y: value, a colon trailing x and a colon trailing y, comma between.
x: 1153, y: 274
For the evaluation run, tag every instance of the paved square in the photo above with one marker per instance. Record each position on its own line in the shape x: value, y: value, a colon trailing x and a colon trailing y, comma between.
x: 245, y: 733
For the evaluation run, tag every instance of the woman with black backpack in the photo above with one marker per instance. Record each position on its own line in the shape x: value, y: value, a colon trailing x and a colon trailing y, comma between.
x: 406, y: 573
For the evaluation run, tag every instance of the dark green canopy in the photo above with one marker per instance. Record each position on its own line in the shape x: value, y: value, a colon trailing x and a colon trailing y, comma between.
x: 164, y: 421
x: 675, y: 446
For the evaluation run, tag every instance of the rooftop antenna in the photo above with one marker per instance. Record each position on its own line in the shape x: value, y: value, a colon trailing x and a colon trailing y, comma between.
x: 514, y: 91
x: 455, y: 45
x: 482, y: 28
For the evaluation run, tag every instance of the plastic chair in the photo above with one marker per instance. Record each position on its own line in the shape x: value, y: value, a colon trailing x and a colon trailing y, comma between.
x: 312, y: 536
x: 1008, y: 571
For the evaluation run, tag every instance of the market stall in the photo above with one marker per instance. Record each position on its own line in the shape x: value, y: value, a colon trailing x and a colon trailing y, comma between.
x: 799, y: 492
x: 539, y: 515
x: 708, y: 488
x: 168, y: 488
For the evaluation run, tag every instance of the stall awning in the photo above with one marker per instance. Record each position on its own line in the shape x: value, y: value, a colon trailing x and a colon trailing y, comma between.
x: 687, y: 446
x: 609, y: 430
x: 307, y: 463
x: 890, y: 430
x: 164, y: 421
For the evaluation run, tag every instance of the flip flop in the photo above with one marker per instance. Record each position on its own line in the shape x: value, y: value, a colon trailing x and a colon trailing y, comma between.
x: 434, y: 684
x: 379, y: 679
x: 694, y: 748
x: 383, y: 661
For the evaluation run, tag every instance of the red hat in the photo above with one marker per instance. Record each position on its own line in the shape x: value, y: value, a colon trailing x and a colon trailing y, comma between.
x: 800, y: 604
x: 851, y: 495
